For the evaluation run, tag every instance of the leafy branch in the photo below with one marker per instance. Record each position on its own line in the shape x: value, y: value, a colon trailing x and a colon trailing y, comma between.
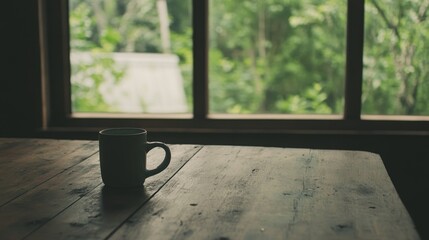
x: 388, y: 23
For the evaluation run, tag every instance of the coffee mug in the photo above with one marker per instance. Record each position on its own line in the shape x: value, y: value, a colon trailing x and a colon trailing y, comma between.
x: 123, y: 156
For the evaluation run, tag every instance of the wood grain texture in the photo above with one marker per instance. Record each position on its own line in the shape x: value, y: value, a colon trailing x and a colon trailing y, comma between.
x: 100, y: 212
x: 27, y: 163
x: 274, y: 193
x: 36, y: 207
x: 51, y: 189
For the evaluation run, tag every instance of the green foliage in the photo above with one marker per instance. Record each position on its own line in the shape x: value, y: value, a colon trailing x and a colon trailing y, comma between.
x: 81, y: 26
x: 263, y: 52
x: 88, y: 80
x: 236, y: 83
x: 109, y: 40
x: 313, y: 100
x: 88, y: 77
x: 267, y: 56
x: 396, y: 74
x: 105, y: 26
x: 182, y: 47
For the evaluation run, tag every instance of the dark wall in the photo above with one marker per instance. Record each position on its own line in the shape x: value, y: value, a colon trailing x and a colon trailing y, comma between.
x: 406, y: 157
x: 19, y: 67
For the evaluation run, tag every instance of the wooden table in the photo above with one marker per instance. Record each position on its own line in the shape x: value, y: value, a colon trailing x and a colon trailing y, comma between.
x: 52, y: 189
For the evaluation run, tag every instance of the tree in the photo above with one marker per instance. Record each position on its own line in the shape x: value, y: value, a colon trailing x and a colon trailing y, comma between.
x: 263, y: 52
x: 396, y: 72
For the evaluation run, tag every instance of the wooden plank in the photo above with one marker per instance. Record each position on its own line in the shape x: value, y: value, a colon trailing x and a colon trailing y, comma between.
x: 273, y: 193
x: 13, y: 149
x: 31, y: 210
x: 27, y: 163
x: 98, y: 213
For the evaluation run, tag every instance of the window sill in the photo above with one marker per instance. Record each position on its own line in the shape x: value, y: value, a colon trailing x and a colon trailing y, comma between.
x: 92, y: 132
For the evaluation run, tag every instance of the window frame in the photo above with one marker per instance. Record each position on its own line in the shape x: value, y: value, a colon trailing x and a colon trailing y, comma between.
x: 57, y: 91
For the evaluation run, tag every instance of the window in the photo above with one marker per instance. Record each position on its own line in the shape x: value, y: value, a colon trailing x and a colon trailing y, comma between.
x: 277, y: 57
x: 396, y: 76
x: 126, y: 58
x: 267, y: 65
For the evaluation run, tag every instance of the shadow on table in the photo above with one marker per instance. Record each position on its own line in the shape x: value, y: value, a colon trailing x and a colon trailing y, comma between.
x: 117, y: 199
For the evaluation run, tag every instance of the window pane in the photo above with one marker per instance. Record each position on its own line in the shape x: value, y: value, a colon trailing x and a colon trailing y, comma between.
x: 396, y: 69
x: 277, y: 56
x: 131, y: 56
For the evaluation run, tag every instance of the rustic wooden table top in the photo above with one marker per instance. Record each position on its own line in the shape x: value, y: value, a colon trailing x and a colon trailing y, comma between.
x: 52, y: 189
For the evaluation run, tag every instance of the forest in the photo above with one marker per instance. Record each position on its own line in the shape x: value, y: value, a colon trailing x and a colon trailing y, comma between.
x: 265, y: 56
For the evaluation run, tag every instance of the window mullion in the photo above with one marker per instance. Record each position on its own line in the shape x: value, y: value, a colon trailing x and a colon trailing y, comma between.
x: 354, y: 59
x: 200, y: 61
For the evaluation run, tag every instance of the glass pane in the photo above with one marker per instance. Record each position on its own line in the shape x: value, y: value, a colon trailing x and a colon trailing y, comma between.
x: 396, y: 64
x: 131, y: 56
x: 277, y: 56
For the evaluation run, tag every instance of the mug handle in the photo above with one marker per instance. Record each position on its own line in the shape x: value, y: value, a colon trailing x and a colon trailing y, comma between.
x: 165, y: 162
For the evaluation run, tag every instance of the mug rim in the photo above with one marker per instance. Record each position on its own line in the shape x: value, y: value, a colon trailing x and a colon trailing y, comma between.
x: 123, y: 131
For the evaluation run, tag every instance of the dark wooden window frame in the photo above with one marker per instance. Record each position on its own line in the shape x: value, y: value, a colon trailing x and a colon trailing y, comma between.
x: 57, y: 99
